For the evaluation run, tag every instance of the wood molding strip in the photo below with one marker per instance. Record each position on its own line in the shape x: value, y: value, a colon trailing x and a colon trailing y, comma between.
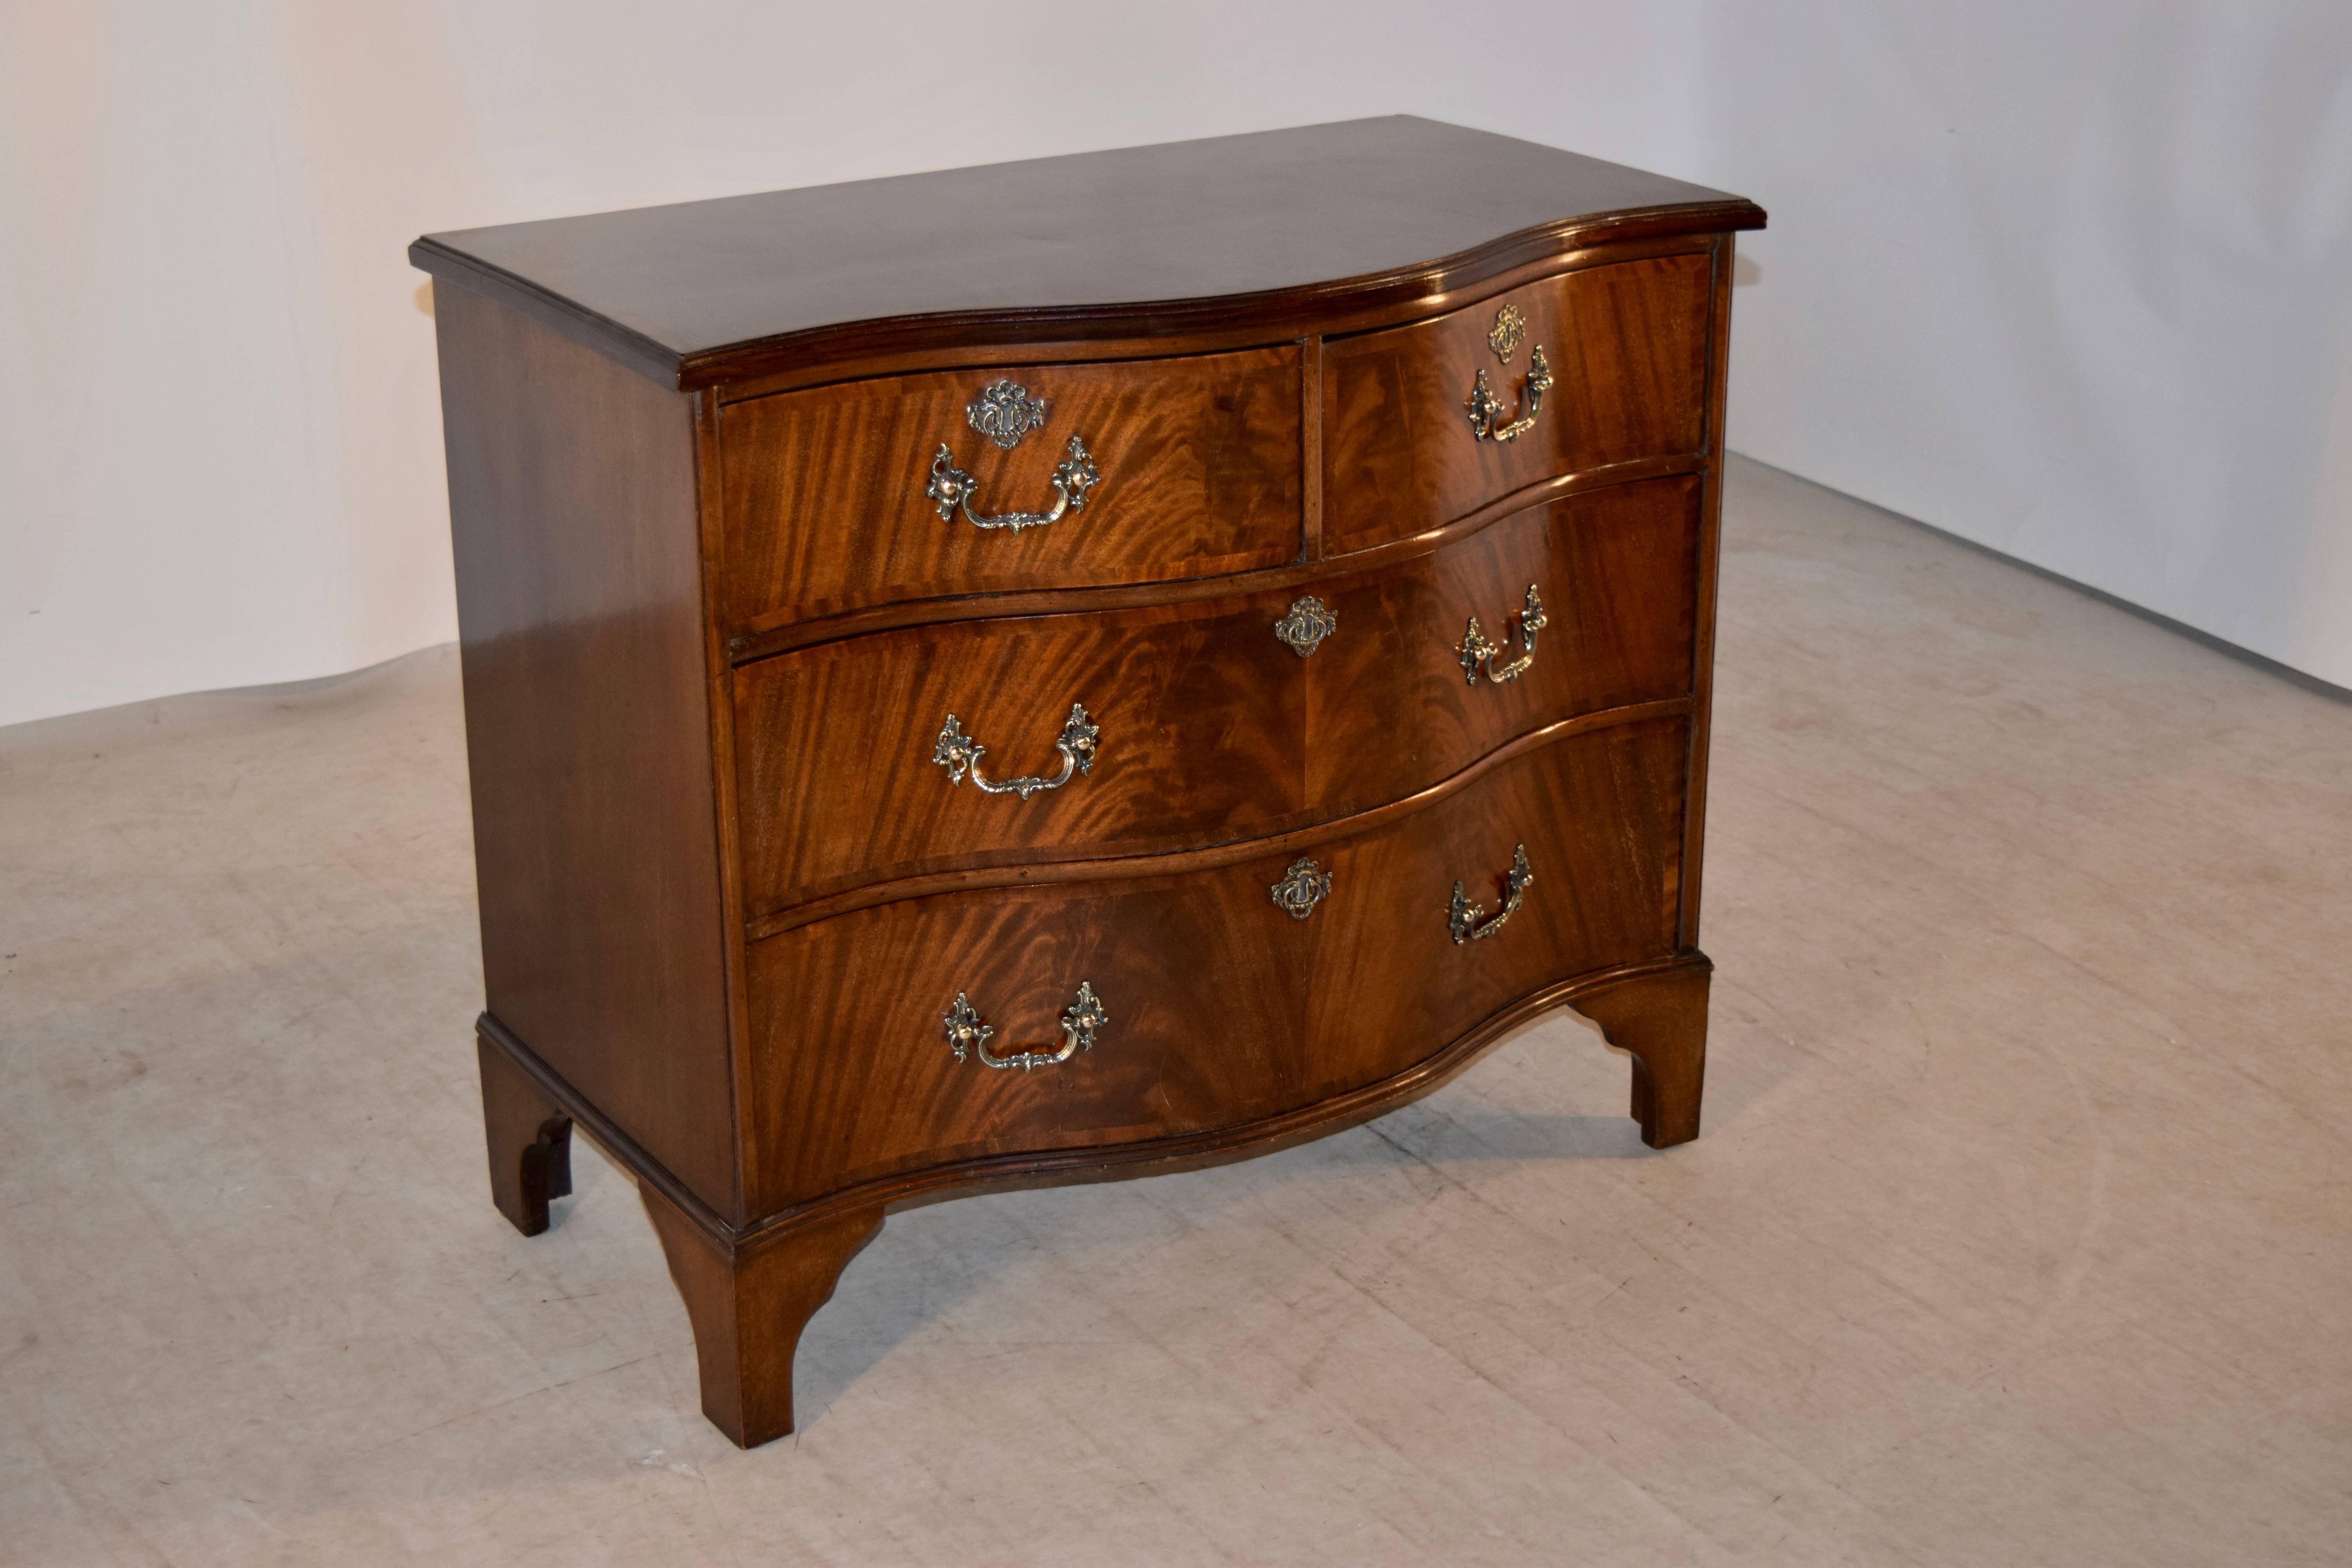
x: 1340, y: 305
x: 624, y: 1149
x: 551, y: 310
x: 999, y: 354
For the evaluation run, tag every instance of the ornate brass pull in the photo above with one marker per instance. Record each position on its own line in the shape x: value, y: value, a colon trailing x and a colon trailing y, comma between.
x: 1302, y: 887
x: 1486, y: 422
x: 1303, y: 628
x: 1464, y: 920
x: 952, y: 488
x: 1478, y: 649
x: 959, y: 754
x: 1005, y: 413
x: 1080, y: 1021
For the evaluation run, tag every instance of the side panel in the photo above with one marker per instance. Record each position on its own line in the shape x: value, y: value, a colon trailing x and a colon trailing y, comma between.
x: 571, y: 504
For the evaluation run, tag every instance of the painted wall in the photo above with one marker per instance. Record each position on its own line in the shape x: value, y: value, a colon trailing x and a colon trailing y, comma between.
x: 2071, y: 280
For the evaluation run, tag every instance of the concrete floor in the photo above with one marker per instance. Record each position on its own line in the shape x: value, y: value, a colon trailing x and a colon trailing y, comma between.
x: 2019, y: 1232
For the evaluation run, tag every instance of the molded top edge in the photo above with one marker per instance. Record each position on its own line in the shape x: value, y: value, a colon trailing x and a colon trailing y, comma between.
x: 1086, y: 244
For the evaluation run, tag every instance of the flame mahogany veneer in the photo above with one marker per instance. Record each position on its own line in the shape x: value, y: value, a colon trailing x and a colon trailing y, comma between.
x: 714, y: 625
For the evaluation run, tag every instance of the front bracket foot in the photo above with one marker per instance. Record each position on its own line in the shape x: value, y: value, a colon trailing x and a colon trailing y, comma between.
x: 1661, y: 1018
x: 749, y: 1303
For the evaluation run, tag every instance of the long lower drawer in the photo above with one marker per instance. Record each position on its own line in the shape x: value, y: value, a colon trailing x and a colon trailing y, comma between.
x: 1211, y: 1004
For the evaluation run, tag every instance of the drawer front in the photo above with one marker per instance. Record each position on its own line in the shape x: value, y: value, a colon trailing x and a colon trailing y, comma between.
x: 1625, y: 348
x: 1390, y: 708
x: 1221, y: 1007
x: 1208, y: 729
x: 830, y: 500
x: 1198, y: 718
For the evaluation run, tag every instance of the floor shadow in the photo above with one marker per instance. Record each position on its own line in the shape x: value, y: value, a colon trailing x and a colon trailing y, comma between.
x: 1516, y: 1137
x: 921, y: 1271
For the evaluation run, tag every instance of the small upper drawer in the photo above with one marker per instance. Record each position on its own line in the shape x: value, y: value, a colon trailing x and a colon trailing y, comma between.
x: 912, y: 486
x: 1623, y: 348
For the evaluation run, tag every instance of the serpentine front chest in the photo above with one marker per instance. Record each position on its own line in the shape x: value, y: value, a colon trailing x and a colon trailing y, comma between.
x: 1072, y: 667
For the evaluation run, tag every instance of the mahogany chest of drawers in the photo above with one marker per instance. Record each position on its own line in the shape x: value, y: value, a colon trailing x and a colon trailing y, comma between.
x: 1072, y: 669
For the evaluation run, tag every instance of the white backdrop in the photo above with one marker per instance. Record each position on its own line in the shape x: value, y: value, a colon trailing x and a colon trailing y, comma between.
x: 2071, y: 280
x: 2074, y: 281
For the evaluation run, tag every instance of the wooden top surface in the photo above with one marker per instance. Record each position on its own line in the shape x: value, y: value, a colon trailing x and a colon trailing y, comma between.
x: 1091, y: 245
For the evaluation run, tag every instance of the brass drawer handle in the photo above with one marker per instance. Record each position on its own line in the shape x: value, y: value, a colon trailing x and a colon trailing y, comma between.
x: 1004, y: 413
x: 1464, y: 920
x: 1486, y: 423
x: 1080, y: 1021
x: 952, y: 488
x: 1478, y: 649
x: 1486, y: 409
x: 959, y: 754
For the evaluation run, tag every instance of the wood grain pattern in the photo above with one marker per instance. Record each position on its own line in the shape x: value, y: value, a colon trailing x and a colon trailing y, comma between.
x: 1223, y: 1007
x: 572, y: 508
x: 1200, y: 711
x: 1200, y: 476
x: 1207, y: 857
x: 1627, y: 347
x: 1388, y: 710
x: 1294, y: 576
x: 1282, y: 230
x: 1212, y: 729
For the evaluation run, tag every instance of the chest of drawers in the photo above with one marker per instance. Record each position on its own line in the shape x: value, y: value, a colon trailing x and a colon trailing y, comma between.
x: 1072, y: 669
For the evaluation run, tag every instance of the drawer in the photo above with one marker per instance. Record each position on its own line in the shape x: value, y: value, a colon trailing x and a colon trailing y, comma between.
x: 830, y: 501
x: 1390, y: 709
x: 1207, y: 727
x: 1221, y: 1007
x: 1625, y: 347
x: 1197, y: 710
